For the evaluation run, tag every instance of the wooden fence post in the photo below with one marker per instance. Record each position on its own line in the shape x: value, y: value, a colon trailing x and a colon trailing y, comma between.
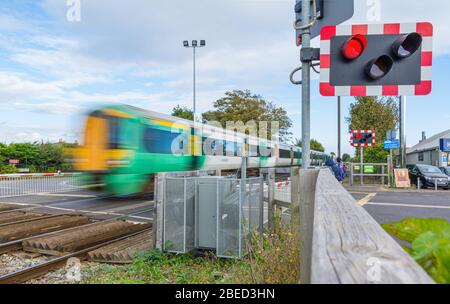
x: 307, y: 192
x: 271, y: 196
x: 158, y: 216
x: 295, y: 197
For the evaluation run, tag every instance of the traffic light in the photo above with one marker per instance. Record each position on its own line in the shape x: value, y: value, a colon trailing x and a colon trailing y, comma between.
x: 328, y: 12
x: 362, y: 138
x: 376, y: 59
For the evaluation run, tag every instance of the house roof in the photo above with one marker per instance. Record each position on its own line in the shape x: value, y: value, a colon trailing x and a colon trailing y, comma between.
x: 429, y: 144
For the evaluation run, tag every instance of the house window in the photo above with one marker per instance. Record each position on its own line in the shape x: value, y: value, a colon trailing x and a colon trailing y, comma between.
x: 421, y: 156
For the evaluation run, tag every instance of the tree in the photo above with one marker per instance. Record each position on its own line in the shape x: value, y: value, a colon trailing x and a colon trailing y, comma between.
x: 183, y: 112
x: 346, y: 158
x: 244, y: 106
x: 315, y: 145
x: 375, y: 155
x: 372, y: 113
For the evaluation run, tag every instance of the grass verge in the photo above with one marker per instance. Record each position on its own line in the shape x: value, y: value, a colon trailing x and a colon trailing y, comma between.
x: 273, y: 258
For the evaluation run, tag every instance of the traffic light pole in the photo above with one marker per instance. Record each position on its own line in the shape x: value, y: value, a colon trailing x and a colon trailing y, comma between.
x: 362, y: 165
x: 339, y: 127
x: 306, y: 90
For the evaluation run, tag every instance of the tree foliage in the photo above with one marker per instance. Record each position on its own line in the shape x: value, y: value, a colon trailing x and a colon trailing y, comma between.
x: 372, y: 113
x: 245, y: 106
x: 346, y: 158
x: 315, y: 145
x: 183, y: 112
x: 42, y: 157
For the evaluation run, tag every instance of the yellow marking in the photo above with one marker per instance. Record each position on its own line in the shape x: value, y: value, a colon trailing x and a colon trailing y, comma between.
x: 116, y: 113
x: 171, y: 124
x: 92, y: 156
x: 366, y: 199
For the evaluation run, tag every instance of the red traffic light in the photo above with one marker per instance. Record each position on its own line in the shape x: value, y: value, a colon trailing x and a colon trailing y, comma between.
x: 354, y: 47
x: 379, y: 67
x: 407, y: 45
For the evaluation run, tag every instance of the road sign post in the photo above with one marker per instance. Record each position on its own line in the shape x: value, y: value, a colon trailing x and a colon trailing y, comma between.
x: 402, y: 109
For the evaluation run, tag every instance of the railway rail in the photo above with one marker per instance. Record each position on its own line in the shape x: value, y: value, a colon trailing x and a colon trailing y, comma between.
x: 80, y: 245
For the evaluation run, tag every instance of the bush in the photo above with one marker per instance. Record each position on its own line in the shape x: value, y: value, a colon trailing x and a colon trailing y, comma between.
x: 429, y: 241
x: 8, y: 169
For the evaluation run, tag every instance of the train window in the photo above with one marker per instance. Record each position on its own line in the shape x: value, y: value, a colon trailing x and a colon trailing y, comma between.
x: 160, y: 141
x: 114, y: 137
x: 229, y: 148
x: 285, y: 153
x: 254, y: 151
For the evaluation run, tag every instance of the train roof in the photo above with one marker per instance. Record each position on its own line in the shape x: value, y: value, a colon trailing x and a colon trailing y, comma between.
x: 152, y: 114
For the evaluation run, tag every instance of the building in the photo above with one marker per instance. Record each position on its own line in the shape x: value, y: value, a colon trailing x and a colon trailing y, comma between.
x: 428, y: 151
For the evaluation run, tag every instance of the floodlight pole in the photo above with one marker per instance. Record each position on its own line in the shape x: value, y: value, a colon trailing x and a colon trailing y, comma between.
x: 195, y: 87
x: 306, y: 93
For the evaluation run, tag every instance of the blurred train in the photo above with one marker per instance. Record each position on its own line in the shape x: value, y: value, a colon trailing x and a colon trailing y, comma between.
x: 125, y: 146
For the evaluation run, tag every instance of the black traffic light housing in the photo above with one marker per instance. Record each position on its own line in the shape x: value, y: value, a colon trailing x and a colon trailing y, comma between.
x: 363, y: 138
x: 382, y: 62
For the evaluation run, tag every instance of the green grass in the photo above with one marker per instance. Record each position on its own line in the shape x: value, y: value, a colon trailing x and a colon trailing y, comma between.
x: 273, y: 257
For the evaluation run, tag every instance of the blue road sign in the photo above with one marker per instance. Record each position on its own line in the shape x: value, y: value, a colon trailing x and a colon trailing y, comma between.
x: 445, y: 144
x: 391, y: 144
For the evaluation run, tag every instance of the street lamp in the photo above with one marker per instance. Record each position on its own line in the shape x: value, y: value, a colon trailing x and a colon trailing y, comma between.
x: 194, y: 45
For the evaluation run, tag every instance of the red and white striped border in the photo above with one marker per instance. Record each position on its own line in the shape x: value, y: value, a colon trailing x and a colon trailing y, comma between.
x: 39, y: 175
x: 352, y: 132
x: 424, y: 88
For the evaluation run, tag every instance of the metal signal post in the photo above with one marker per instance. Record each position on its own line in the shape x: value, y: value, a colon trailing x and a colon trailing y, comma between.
x: 306, y: 90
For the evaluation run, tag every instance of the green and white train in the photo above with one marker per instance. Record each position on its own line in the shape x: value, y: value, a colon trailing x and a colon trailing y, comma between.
x: 124, y: 147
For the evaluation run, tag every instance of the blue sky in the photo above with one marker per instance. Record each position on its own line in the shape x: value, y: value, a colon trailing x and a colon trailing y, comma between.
x: 52, y: 70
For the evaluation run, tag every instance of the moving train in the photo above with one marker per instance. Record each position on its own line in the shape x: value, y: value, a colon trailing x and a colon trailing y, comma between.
x: 125, y: 146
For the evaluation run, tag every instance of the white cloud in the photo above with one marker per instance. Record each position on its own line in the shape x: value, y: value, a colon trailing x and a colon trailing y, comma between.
x: 131, y: 51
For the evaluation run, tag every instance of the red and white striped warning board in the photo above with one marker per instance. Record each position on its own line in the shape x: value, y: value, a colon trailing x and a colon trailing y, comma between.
x: 425, y: 29
x: 356, y: 135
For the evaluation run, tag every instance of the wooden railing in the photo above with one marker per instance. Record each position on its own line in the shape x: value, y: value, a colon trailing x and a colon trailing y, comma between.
x: 340, y: 242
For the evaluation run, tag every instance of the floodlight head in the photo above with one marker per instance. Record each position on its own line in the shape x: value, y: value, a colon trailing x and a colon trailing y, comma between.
x: 202, y: 43
x: 186, y: 43
x: 194, y: 43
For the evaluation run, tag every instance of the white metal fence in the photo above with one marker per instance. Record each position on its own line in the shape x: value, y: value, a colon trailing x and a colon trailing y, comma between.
x: 26, y: 184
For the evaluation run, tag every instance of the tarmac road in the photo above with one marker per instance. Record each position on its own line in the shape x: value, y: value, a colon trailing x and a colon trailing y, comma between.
x: 393, y: 206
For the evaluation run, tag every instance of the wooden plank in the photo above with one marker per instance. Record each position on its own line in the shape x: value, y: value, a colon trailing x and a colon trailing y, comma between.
x: 271, y: 196
x: 306, y: 188
x: 349, y: 246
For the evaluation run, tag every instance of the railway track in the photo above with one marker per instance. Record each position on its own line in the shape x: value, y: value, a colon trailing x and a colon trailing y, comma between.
x: 44, y: 268
x: 64, y: 241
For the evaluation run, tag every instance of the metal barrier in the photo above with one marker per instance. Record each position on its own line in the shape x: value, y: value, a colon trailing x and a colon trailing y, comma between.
x: 216, y: 213
x: 381, y: 170
x: 25, y: 184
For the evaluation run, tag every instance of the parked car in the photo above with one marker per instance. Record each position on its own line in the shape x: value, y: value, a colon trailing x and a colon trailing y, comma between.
x: 428, y: 175
x: 445, y: 170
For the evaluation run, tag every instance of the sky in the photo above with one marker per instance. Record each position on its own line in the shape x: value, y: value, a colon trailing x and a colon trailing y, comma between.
x: 55, y: 66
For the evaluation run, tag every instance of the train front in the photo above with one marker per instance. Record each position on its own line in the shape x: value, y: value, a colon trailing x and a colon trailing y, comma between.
x: 107, y: 154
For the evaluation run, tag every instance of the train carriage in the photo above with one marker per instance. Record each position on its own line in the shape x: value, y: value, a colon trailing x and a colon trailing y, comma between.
x: 125, y: 146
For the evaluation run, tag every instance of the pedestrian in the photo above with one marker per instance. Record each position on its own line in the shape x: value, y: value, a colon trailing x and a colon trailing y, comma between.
x: 334, y: 168
x: 342, y: 169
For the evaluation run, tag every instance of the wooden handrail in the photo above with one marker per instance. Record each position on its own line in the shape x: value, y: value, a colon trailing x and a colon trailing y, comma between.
x: 348, y: 246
